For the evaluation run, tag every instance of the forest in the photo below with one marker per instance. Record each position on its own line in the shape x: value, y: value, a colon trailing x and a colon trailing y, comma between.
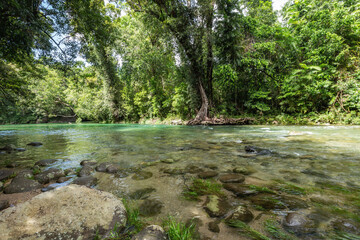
x: 134, y: 60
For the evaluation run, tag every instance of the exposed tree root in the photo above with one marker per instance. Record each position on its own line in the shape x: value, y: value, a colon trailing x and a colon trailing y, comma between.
x: 221, y: 121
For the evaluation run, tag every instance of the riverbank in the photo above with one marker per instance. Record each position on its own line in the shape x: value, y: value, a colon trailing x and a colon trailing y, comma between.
x: 329, y: 118
x: 326, y: 118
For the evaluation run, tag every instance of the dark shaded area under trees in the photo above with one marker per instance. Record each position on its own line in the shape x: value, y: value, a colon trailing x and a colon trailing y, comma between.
x: 206, y: 60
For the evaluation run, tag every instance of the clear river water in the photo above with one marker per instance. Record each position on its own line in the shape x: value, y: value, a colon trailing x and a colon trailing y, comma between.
x: 317, y: 164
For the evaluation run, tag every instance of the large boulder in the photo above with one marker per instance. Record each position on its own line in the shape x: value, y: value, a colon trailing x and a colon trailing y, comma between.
x: 71, y: 212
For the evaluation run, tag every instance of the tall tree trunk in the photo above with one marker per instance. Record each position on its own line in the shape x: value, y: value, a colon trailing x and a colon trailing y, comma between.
x: 108, y: 70
x: 203, y: 113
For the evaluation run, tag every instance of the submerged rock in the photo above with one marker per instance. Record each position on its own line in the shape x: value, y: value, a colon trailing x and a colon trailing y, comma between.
x: 232, y: 178
x: 8, y: 148
x: 35, y: 144
x: 71, y: 212
x: 240, y: 190
x: 299, y: 224
x: 293, y: 203
x: 168, y: 161
x: 20, y: 149
x: 241, y: 213
x: 87, y: 181
x: 142, y: 193
x: 347, y: 226
x: 244, y: 170
x: 152, y: 232
x: 150, y: 207
x: 51, y: 174
x: 173, y: 171
x: 257, y: 150
x: 193, y: 169
x: 142, y: 175
x: 214, y: 227
x: 5, y: 174
x: 45, y: 162
x: 207, y: 174
x: 268, y: 201
x: 216, y: 206
x: 315, y: 173
x: 13, y: 165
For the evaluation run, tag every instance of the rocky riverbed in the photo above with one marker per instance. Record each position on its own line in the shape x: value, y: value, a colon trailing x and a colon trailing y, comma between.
x: 231, y: 199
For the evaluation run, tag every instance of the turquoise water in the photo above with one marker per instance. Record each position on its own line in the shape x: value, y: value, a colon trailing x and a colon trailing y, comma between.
x: 332, y: 150
x: 311, y: 157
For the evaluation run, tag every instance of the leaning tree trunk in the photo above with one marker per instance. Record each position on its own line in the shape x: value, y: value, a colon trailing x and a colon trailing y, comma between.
x: 203, y: 113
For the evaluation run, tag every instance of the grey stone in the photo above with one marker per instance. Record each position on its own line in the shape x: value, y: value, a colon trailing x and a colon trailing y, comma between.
x: 70, y: 212
x: 45, y: 162
x: 103, y: 166
x: 257, y: 150
x: 63, y: 179
x: 4, y: 204
x: 87, y: 181
x: 20, y: 184
x: 70, y: 171
x: 86, y: 171
x: 5, y: 173
x: 51, y: 174
x: 299, y: 224
x: 88, y: 162
x: 216, y: 206
x: 152, y: 232
x: 112, y: 168
x: 241, y: 213
x: 240, y: 190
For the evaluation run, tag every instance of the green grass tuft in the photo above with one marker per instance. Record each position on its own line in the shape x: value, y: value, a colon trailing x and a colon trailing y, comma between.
x: 261, y: 189
x: 177, y: 230
x: 200, y: 187
x: 275, y: 231
x: 247, y: 230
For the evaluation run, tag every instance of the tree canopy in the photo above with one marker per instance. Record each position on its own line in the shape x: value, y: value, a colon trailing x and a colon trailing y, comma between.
x: 133, y: 60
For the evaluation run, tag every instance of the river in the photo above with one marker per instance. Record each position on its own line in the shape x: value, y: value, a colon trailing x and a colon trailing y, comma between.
x: 318, y: 164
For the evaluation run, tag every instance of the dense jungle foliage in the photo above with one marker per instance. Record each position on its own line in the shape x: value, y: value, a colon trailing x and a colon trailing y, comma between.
x: 165, y: 59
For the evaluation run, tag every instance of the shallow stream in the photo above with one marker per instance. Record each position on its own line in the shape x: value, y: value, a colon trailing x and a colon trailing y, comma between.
x: 317, y: 164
